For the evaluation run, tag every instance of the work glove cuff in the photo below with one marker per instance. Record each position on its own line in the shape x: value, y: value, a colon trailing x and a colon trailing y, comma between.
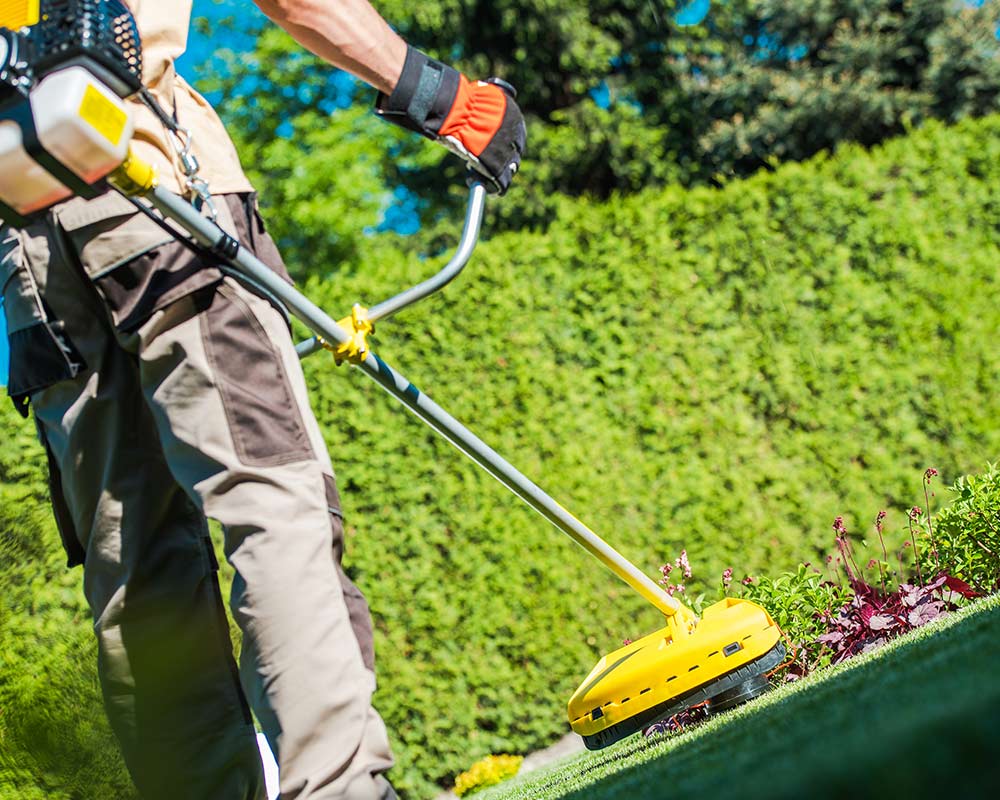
x: 423, y: 97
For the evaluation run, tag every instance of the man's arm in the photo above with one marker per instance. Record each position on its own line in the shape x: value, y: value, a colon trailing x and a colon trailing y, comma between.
x: 349, y: 34
x: 478, y: 120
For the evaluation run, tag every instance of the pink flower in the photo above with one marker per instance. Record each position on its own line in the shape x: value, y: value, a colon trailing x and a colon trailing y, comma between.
x: 747, y: 581
x: 666, y: 569
x: 727, y: 576
x: 682, y: 563
x: 930, y: 473
x: 626, y: 642
x: 915, y: 513
x: 839, y: 527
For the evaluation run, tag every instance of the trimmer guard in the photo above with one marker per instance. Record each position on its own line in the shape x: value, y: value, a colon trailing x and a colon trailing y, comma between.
x: 660, y: 674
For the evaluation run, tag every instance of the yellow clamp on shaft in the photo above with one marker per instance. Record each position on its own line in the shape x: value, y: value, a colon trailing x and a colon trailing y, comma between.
x: 355, y: 350
x: 682, y: 623
x: 135, y: 176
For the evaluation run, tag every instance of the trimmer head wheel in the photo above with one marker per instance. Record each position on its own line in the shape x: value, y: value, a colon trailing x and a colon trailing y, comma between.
x: 739, y: 694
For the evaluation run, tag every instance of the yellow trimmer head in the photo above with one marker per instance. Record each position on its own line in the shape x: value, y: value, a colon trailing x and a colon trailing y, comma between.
x: 724, y: 658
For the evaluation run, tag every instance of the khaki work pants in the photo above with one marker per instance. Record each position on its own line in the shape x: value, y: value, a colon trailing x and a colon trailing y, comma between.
x: 166, y: 393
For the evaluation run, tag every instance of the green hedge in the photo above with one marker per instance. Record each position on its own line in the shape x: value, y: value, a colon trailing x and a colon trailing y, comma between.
x: 722, y: 370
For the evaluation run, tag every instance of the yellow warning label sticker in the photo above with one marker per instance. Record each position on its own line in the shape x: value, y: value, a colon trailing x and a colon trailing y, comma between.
x: 16, y: 14
x: 102, y: 115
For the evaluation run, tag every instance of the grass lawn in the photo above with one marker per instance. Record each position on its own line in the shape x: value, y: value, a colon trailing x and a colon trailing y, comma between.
x: 918, y: 718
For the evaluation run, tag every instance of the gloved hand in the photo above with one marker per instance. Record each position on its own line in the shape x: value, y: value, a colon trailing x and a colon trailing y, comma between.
x: 479, y: 121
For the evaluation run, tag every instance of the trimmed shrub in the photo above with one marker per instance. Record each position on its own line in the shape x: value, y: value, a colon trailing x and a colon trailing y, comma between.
x: 714, y: 369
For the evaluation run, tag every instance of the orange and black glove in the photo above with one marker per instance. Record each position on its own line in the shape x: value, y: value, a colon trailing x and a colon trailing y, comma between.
x: 479, y: 121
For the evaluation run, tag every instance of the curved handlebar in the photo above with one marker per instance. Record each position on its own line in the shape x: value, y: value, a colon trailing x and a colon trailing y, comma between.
x: 466, y: 244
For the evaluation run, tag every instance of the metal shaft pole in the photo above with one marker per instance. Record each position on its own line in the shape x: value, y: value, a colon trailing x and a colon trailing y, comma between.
x: 497, y: 466
x: 211, y: 236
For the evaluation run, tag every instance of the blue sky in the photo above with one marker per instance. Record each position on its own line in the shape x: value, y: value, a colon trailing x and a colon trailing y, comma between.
x: 200, y: 48
x: 693, y: 13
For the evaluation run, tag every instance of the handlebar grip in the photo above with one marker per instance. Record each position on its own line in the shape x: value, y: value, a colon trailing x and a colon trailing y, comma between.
x: 508, y: 88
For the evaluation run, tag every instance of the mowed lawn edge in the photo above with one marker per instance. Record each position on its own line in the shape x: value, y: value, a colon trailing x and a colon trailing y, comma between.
x: 916, y: 718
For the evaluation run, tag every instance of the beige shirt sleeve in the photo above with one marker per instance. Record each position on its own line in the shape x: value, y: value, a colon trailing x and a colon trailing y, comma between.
x: 163, y: 29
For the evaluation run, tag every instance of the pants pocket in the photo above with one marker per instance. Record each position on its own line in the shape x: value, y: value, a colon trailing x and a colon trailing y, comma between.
x: 40, y: 356
x: 261, y: 411
x: 136, y: 266
x: 107, y: 232
x: 41, y: 352
x: 134, y: 291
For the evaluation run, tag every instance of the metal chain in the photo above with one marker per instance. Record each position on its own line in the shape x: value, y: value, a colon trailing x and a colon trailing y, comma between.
x: 196, y: 187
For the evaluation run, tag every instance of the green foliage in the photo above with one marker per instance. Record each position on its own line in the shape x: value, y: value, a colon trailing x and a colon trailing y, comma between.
x: 486, y: 772
x: 718, y: 370
x: 796, y: 601
x: 320, y: 188
x: 964, y: 539
x: 759, y: 82
x: 722, y: 370
x: 796, y: 78
x: 54, y: 740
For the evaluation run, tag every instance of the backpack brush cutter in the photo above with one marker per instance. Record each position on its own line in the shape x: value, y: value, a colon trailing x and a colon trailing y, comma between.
x: 89, y: 50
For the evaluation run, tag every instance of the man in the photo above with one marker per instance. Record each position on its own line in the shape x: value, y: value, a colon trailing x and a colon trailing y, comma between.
x: 165, y: 392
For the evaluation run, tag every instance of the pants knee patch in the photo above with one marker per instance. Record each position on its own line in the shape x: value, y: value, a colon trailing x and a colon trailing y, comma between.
x: 263, y: 417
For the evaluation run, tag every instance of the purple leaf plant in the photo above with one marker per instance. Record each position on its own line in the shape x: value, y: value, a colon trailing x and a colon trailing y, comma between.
x: 872, y: 616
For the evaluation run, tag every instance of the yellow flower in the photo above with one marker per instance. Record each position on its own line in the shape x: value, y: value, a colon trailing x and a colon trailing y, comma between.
x: 487, y: 772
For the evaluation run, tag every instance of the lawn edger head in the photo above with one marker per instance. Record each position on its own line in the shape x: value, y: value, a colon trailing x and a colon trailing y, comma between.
x: 722, y: 659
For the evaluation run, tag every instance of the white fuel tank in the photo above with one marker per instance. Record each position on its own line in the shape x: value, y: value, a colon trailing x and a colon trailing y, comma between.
x: 80, y: 122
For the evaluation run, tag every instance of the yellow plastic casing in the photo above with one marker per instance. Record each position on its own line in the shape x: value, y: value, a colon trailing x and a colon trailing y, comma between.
x: 16, y: 14
x: 134, y: 176
x: 660, y: 667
